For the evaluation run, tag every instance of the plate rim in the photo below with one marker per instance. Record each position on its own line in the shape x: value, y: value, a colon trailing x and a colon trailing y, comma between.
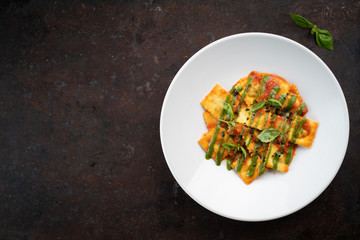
x: 258, y: 34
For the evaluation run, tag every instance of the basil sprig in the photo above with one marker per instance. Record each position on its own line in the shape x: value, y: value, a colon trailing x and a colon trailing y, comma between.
x: 268, y: 135
x: 228, y: 111
x: 231, y: 123
x: 230, y: 146
x: 323, y: 37
x: 272, y: 102
x: 258, y: 106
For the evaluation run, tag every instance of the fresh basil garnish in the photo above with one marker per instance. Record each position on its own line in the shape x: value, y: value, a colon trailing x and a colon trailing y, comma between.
x: 228, y: 110
x: 323, y: 37
x: 274, y: 102
x: 268, y: 135
x: 301, y: 21
x: 258, y: 106
x: 229, y: 123
x: 243, y: 151
x: 230, y: 146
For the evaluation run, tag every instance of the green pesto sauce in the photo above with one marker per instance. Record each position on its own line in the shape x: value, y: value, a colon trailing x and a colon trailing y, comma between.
x: 252, y: 118
x: 244, y: 93
x: 262, y: 87
x: 228, y: 164
x: 290, y: 149
x: 223, y: 149
x: 218, y: 159
x: 240, y: 163
x: 274, y: 91
x: 266, y: 118
x: 283, y: 132
x: 258, y: 121
x: 217, y: 129
x: 297, y: 130
x: 251, y: 170
x: 242, y: 130
x: 248, y: 130
x: 249, y: 141
x: 276, y: 159
x: 291, y: 102
x: 300, y: 109
x: 270, y: 147
x: 282, y: 98
x: 262, y: 163
x: 289, y: 154
x: 272, y: 121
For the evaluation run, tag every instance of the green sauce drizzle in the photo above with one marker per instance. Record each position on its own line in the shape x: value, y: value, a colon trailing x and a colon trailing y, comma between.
x: 282, y: 98
x: 244, y: 94
x: 300, y: 109
x: 253, y: 160
x: 218, y: 159
x: 297, y: 129
x: 298, y: 112
x: 240, y: 162
x: 228, y: 164
x: 291, y: 102
x: 217, y: 129
x: 266, y: 118
x: 274, y: 91
x: 294, y: 137
x: 264, y: 81
x: 262, y: 86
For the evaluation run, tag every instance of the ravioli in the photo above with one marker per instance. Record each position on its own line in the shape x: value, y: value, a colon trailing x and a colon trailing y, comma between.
x: 257, y: 125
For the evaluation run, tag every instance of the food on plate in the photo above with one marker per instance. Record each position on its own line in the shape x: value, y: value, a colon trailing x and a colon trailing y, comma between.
x: 256, y: 126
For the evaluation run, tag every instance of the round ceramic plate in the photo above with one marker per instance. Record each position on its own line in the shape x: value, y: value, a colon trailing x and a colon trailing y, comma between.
x: 271, y: 195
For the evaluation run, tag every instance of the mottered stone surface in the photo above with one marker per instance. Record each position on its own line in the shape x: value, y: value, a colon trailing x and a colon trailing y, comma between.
x: 82, y: 84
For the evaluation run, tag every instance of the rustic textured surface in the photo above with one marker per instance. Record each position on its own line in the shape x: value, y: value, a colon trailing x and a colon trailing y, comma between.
x: 82, y: 83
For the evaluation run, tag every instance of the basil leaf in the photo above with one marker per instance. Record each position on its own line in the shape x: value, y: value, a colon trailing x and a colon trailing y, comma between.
x: 258, y: 106
x: 228, y: 110
x: 274, y: 103
x: 229, y: 146
x: 301, y: 21
x: 324, y: 39
x: 229, y: 123
x: 268, y: 135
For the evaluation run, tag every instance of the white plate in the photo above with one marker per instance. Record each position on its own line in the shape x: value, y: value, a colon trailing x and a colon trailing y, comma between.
x: 271, y: 195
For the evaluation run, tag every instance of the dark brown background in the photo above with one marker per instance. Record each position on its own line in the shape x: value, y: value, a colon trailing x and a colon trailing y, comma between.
x: 82, y: 84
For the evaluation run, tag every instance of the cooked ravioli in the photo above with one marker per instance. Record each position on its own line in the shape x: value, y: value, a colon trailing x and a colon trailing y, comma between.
x: 210, y: 120
x: 213, y: 102
x: 257, y: 125
x: 206, y: 138
x: 249, y: 164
